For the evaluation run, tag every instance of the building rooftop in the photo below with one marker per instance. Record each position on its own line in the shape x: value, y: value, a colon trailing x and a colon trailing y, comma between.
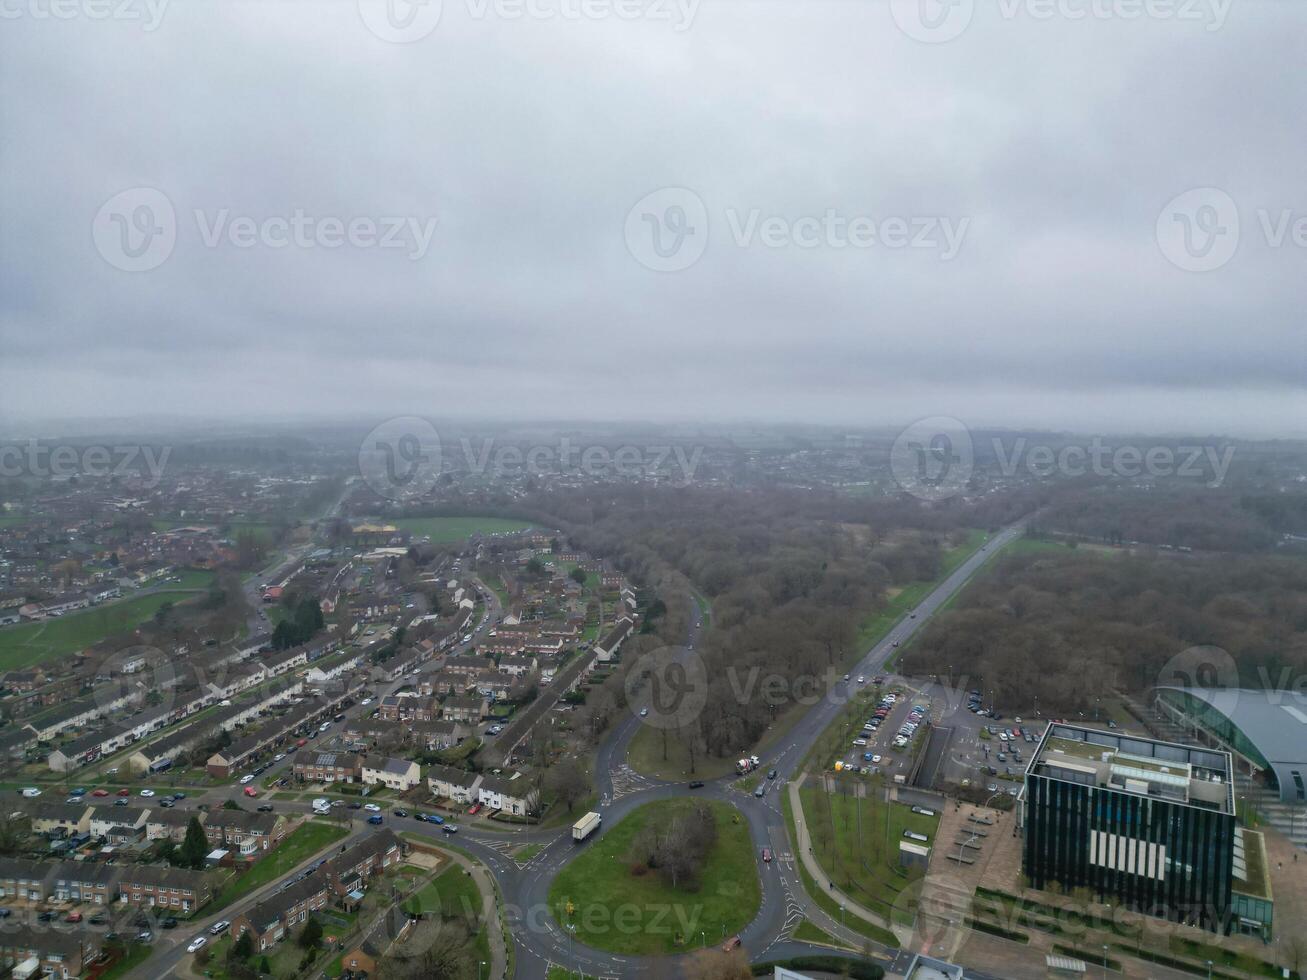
x: 1133, y: 764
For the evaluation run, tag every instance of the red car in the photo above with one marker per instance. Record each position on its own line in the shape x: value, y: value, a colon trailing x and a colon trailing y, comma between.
x: 730, y: 944
x: 101, y: 792
x: 74, y: 917
x: 474, y: 808
x: 124, y: 792
x: 251, y: 791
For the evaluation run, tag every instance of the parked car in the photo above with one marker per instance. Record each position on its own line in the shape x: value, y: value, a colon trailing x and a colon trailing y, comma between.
x: 218, y: 928
x: 74, y: 917
x: 372, y: 808
x: 730, y: 944
x: 375, y: 818
x: 400, y: 813
x: 124, y: 792
x: 147, y: 792
x: 101, y: 792
x: 197, y: 943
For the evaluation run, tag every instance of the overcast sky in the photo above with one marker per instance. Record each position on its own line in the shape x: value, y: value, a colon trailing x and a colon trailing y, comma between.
x: 1046, y: 271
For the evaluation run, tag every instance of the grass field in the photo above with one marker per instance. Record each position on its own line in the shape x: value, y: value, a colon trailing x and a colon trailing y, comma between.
x: 453, y: 894
x: 445, y: 530
x: 32, y: 643
x: 309, y: 838
x: 639, y: 914
x: 806, y: 932
x: 825, y: 902
x: 645, y: 755
x: 856, y: 849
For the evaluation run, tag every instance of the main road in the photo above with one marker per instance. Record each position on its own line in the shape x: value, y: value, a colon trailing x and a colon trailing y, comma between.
x: 524, y: 884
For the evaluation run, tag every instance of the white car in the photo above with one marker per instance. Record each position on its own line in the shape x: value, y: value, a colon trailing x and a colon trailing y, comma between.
x: 31, y: 791
x: 366, y: 701
x: 371, y: 808
x: 147, y: 792
x: 218, y: 928
x: 247, y: 779
x: 279, y: 756
x: 644, y: 712
x: 875, y: 759
x: 196, y: 943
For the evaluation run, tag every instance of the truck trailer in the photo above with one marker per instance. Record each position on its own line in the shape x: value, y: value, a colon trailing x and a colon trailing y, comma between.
x: 584, y: 827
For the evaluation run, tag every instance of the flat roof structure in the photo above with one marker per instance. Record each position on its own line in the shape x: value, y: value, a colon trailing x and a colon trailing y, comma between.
x: 1133, y: 764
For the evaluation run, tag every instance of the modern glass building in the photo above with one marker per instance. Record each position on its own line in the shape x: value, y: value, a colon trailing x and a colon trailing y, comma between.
x: 1266, y: 729
x: 1146, y: 824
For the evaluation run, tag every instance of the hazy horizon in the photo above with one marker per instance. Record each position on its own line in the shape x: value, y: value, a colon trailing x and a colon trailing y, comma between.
x: 654, y: 217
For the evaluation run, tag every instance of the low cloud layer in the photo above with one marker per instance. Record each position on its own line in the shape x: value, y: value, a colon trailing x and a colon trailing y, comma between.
x: 818, y: 211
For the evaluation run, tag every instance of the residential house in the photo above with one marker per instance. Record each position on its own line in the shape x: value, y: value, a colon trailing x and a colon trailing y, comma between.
x: 248, y: 834
x: 457, y: 785
x: 397, y: 774
x: 175, y: 889
x: 313, y: 766
x: 62, y: 955
x: 468, y: 710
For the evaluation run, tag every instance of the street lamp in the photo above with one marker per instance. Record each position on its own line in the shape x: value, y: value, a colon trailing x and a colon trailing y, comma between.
x: 1209, y: 970
x: 479, y: 968
x: 1104, y: 960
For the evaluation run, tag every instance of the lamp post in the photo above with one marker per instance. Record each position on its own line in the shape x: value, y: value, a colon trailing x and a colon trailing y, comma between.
x: 1104, y: 960
x: 1209, y: 970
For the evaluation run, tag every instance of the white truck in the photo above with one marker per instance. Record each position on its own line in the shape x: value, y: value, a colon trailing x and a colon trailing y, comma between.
x: 586, y: 826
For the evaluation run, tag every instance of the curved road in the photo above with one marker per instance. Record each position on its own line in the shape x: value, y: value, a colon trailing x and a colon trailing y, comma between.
x: 541, y: 942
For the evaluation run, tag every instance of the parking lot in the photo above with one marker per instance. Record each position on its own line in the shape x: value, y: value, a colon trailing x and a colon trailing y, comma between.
x: 883, y: 751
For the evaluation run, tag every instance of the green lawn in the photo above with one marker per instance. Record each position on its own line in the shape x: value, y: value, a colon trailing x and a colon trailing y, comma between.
x: 137, y: 953
x: 453, y: 894
x: 309, y: 838
x: 446, y: 530
x: 623, y: 912
x: 855, y: 848
x: 33, y: 643
x: 828, y: 904
x: 645, y: 755
x: 806, y: 932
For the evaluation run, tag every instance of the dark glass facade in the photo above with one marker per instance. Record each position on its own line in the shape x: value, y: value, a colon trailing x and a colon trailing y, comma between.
x: 1158, y: 857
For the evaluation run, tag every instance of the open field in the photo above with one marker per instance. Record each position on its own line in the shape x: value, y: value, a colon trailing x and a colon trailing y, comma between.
x: 453, y: 894
x: 623, y: 912
x: 32, y: 643
x: 828, y: 904
x: 444, y: 530
x: 856, y: 841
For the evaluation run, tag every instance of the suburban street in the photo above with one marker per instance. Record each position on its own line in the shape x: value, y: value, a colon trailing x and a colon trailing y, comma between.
x: 524, y: 886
